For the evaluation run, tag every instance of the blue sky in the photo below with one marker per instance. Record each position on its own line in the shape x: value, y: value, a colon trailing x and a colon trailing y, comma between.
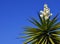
x: 14, y: 14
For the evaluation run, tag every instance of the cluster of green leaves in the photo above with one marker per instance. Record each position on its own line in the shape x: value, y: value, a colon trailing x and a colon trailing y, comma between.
x: 46, y: 32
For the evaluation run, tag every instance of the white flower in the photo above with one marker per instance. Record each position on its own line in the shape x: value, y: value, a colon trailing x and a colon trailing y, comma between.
x: 41, y: 12
x: 44, y: 14
x: 45, y: 6
x: 41, y: 16
x: 47, y: 11
x: 44, y: 9
x: 51, y: 14
x: 46, y: 17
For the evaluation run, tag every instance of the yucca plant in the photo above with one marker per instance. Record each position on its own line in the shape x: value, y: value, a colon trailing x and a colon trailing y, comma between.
x: 47, y: 30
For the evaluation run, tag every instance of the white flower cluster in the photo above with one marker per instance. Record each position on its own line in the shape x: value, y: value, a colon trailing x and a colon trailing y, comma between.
x: 46, y: 12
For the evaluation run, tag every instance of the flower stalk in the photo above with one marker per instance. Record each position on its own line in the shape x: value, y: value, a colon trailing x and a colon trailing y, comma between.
x: 46, y: 12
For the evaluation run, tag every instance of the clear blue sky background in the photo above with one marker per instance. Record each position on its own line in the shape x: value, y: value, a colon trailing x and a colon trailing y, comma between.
x: 13, y: 15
